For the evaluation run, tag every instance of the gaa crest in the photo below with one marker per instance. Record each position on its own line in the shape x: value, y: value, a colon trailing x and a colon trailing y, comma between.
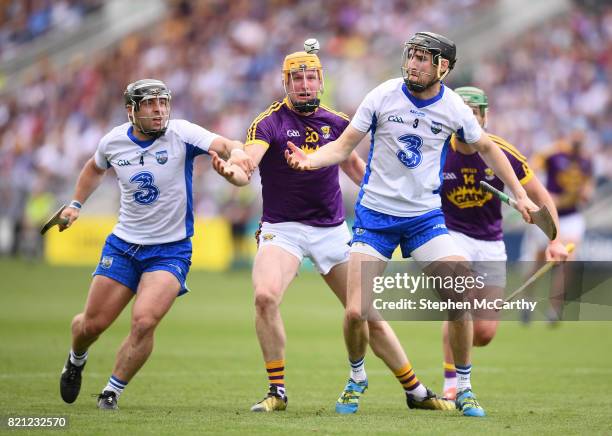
x: 436, y: 127
x: 161, y: 157
x: 106, y: 262
x: 325, y: 130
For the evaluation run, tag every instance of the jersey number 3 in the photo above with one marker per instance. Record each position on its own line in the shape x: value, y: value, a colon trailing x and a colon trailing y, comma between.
x: 147, y: 192
x: 410, y: 154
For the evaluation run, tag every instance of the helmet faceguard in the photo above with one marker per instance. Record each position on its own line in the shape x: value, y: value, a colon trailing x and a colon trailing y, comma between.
x: 439, y: 47
x: 296, y: 69
x: 154, y: 92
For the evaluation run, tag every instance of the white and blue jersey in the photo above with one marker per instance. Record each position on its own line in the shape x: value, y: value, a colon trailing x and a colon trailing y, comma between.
x: 409, y: 141
x: 399, y: 202
x: 155, y: 179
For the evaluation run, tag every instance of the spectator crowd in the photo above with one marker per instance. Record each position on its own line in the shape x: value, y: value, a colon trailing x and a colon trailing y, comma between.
x: 222, y: 62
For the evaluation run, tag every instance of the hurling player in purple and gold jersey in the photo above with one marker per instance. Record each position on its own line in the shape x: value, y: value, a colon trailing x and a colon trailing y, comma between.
x: 473, y: 217
x: 569, y: 179
x: 303, y: 216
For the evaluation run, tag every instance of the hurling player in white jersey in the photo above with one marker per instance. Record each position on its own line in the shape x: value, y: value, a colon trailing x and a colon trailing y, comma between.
x: 303, y: 216
x: 411, y: 120
x: 148, y: 254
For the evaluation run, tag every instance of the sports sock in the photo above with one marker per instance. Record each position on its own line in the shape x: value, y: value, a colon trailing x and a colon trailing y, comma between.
x: 358, y: 372
x: 450, y: 376
x: 463, y: 377
x: 78, y: 359
x: 409, y: 381
x: 276, y: 375
x: 115, y: 385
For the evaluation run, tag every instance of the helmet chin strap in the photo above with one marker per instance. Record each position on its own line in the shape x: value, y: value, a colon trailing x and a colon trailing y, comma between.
x: 307, y: 106
x: 417, y: 87
x: 302, y: 106
x: 154, y: 134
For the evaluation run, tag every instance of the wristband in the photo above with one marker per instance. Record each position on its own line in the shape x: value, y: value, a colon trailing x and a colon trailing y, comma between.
x: 75, y: 205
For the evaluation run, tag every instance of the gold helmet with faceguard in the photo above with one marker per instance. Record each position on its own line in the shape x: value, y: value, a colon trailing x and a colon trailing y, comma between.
x: 302, y: 62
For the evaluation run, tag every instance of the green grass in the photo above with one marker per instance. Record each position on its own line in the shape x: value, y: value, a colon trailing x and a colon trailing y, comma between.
x: 206, y: 369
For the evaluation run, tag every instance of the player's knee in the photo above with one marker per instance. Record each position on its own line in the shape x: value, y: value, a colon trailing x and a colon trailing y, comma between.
x: 483, y: 335
x: 265, y: 301
x: 89, y: 327
x: 144, y: 325
x: 77, y: 322
x: 353, y: 316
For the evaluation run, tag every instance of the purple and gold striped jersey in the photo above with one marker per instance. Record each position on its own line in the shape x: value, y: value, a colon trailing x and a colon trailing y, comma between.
x: 566, y: 175
x: 467, y: 208
x: 311, y: 197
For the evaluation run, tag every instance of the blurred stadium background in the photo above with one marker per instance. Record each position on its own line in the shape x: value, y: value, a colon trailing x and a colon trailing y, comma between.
x: 546, y: 65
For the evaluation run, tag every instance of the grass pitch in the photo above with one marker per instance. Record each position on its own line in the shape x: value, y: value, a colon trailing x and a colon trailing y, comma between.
x: 206, y: 369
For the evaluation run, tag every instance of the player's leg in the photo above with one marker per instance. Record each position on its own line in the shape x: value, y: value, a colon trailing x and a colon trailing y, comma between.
x: 106, y: 300
x: 460, y: 337
x: 488, y: 262
x: 156, y: 293
x: 572, y: 228
x: 276, y: 264
x: 449, y: 387
x: 348, y: 402
x: 440, y: 256
x: 328, y: 248
x: 356, y: 335
x: 109, y: 293
x: 386, y: 346
x: 484, y: 332
x: 533, y: 247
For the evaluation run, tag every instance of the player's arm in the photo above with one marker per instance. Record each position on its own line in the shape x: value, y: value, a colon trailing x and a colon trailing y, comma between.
x: 587, y: 191
x: 233, y: 172
x: 233, y: 151
x: 497, y: 160
x: 333, y: 153
x: 540, y: 195
x: 354, y: 168
x: 224, y: 146
x: 90, y: 178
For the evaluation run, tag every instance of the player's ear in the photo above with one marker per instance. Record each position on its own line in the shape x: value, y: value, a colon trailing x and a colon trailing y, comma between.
x: 443, y: 65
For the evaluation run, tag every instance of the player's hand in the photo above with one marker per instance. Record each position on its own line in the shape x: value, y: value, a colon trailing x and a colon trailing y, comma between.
x: 296, y: 158
x: 70, y: 214
x: 220, y: 166
x: 556, y: 251
x: 524, y: 205
x: 242, y: 160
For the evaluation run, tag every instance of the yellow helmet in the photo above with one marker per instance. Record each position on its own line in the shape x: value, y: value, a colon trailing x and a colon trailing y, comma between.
x: 302, y: 61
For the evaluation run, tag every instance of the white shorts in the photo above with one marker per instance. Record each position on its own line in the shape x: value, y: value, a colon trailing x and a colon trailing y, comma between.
x: 477, y: 250
x: 488, y: 257
x: 326, y: 247
x: 436, y: 248
x: 571, y: 228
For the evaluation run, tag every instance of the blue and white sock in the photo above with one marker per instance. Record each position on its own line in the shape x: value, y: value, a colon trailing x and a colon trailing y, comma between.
x: 358, y: 372
x: 463, y: 377
x: 78, y: 359
x: 115, y: 385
